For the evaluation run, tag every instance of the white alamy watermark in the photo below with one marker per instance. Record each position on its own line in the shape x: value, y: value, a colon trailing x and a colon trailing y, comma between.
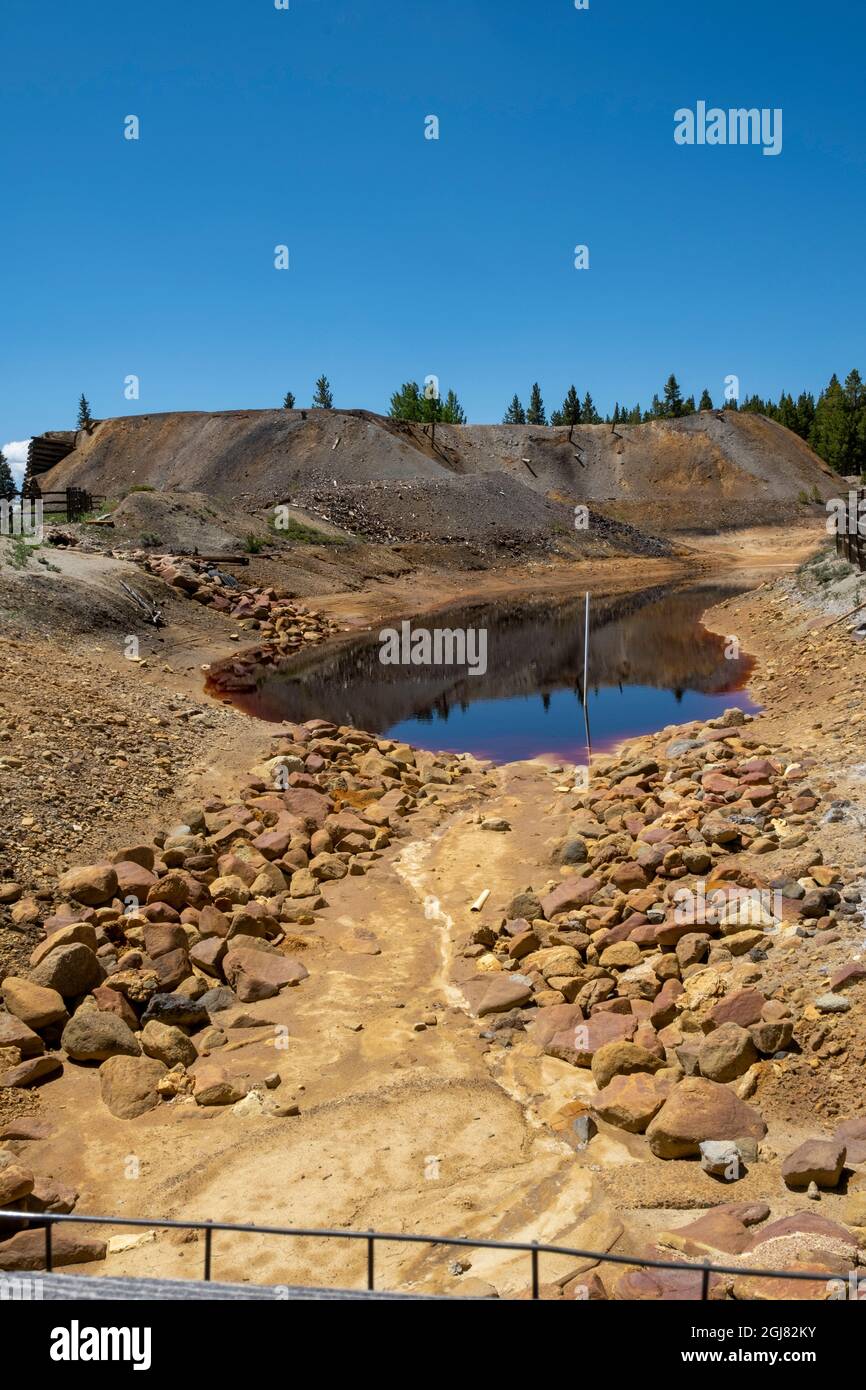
x: 20, y: 1288
x: 77, y: 1343
x: 712, y: 125
x: 22, y: 518
x: 846, y: 516
x: 457, y: 646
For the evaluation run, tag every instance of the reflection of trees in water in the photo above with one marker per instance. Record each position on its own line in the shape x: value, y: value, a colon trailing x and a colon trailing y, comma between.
x: 651, y: 638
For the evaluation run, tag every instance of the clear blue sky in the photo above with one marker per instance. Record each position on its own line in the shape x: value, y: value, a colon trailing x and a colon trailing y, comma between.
x: 411, y: 256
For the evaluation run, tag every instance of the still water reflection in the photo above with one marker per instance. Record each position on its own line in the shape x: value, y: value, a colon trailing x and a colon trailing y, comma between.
x: 651, y: 663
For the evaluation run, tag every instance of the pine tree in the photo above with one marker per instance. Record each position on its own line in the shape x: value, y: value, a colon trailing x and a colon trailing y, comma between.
x: 288, y: 401
x: 706, y: 400
x: 8, y: 490
x: 855, y: 403
x: 556, y: 417
x: 805, y: 413
x: 515, y: 414
x: 323, y: 399
x: 689, y: 406
x: 452, y: 412
x: 786, y: 411
x: 85, y: 419
x: 656, y: 410
x: 673, y: 398
x: 588, y: 413
x: 570, y: 412
x: 830, y: 435
x: 535, y: 415
x: 406, y: 403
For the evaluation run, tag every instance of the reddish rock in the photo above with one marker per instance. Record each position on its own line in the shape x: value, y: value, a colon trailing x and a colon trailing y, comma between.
x: 756, y: 1288
x: 259, y: 975
x: 133, y: 880
x: 629, y: 875
x: 578, y: 1043
x: 718, y: 783
x: 818, y: 1160
x: 14, y: 1033
x: 698, y: 1109
x: 714, y: 1233
x: 847, y: 975
x: 93, y: 884
x: 523, y: 944
x: 311, y: 807
x: 162, y: 937
x: 630, y: 1101
x: 667, y: 1285
x: 170, y: 969
x: 212, y: 922
x: 208, y: 954
x: 852, y: 1133
x: 770, y: 1038
x: 112, y: 1001
x: 743, y: 1006
x: 569, y: 895
x: 31, y: 1072
x: 26, y: 1250
x: 129, y: 1085
x: 496, y: 992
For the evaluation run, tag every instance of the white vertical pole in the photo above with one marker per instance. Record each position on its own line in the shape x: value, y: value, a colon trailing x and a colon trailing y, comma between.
x: 586, y: 651
x: 585, y: 683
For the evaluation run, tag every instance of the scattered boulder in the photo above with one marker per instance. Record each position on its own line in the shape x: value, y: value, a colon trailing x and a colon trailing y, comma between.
x: 214, y: 1085
x: 622, y: 1059
x: 92, y: 1035
x: 496, y: 993
x: 93, y: 885
x: 698, y: 1109
x: 69, y: 1246
x: 167, y: 1044
x: 818, y: 1161
x: 70, y: 970
x: 256, y: 974
x: 34, y: 1004
x: 129, y: 1085
x: 630, y: 1101
x: 31, y: 1072
x: 726, y: 1053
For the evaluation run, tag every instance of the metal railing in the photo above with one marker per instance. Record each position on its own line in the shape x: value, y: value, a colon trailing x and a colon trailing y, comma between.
x: 533, y: 1248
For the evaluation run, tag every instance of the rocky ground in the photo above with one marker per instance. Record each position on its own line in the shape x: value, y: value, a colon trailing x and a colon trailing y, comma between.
x: 423, y: 993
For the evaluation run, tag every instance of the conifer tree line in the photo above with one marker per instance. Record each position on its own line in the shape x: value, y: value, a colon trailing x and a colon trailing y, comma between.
x: 834, y: 424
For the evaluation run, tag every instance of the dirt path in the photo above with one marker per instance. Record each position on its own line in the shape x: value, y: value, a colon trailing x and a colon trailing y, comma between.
x: 401, y: 1126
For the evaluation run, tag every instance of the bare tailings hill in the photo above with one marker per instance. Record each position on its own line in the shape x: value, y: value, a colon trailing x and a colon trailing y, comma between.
x: 704, y: 472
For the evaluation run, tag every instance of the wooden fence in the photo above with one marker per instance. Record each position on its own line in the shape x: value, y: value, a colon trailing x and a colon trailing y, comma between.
x: 849, y: 543
x: 71, y: 504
